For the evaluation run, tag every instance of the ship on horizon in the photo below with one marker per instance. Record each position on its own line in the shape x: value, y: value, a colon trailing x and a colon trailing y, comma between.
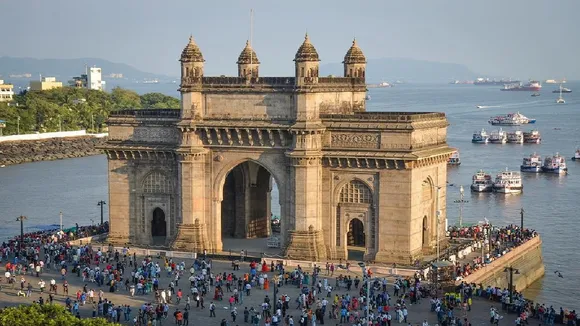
x: 531, y: 86
x: 494, y: 82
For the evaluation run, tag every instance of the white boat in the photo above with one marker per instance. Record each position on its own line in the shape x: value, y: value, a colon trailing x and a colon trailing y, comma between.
x: 480, y: 137
x: 511, y: 119
x: 533, y: 163
x: 368, y: 97
x: 532, y: 137
x: 515, y: 137
x: 498, y: 137
x: 576, y: 155
x: 555, y: 164
x: 508, y: 182
x: 481, y: 182
x: 454, y: 159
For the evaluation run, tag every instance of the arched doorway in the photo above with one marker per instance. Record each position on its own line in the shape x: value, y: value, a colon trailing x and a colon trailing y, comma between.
x: 250, y: 209
x: 356, y: 233
x: 158, y: 224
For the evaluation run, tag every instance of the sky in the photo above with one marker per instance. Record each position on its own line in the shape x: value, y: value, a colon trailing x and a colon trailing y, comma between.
x: 511, y: 38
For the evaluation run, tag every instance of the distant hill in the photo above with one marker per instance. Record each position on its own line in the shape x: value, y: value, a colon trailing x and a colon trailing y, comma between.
x: 410, y: 70
x: 64, y: 69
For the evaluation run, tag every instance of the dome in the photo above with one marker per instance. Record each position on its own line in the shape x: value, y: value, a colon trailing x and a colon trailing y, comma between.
x: 306, y: 52
x: 248, y: 55
x: 191, y: 52
x: 354, y: 54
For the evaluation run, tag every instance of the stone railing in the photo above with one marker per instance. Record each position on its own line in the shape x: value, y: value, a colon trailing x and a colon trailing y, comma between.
x: 146, y: 113
x: 257, y: 81
x: 385, y: 116
x: 344, y: 81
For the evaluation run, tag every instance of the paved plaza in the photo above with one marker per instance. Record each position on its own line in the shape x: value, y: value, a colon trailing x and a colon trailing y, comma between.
x: 417, y: 313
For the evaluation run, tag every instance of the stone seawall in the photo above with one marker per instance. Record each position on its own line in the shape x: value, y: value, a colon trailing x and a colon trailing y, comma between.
x: 527, y: 259
x: 16, y: 152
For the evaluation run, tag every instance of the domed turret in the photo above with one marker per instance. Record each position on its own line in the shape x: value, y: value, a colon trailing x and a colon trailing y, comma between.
x: 191, y: 52
x: 306, y: 52
x: 248, y: 62
x: 354, y: 62
x: 306, y: 63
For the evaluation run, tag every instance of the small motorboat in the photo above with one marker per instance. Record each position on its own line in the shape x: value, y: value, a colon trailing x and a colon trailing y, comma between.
x: 535, y: 94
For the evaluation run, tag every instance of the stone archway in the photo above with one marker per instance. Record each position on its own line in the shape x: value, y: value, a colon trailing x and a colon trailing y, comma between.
x: 158, y: 223
x: 425, y: 235
x: 356, y: 233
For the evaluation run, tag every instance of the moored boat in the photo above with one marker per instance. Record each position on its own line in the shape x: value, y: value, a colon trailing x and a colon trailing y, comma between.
x: 454, y: 159
x: 533, y: 86
x: 508, y: 182
x: 481, y: 182
x: 533, y: 163
x: 532, y: 137
x: 535, y: 94
x: 555, y: 164
x: 515, y: 137
x: 576, y: 155
x: 480, y: 137
x: 498, y: 137
x: 511, y: 119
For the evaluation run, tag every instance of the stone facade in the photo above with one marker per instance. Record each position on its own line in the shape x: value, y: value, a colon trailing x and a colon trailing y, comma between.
x: 187, y: 178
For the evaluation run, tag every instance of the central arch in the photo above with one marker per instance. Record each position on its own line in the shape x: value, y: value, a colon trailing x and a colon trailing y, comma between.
x: 250, y: 208
x: 158, y: 223
x: 356, y: 233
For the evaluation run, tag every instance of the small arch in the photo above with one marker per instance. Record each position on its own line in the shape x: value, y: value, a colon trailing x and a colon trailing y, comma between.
x: 356, y: 233
x: 158, y: 223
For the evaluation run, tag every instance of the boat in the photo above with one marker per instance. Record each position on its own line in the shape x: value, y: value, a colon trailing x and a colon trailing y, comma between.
x: 505, y: 120
x: 555, y: 164
x: 454, y: 159
x: 508, y: 182
x: 532, y: 85
x: 498, y: 137
x: 481, y: 182
x: 535, y: 94
x: 532, y: 163
x: 562, y: 90
x: 576, y: 155
x: 560, y: 99
x: 480, y: 137
x: 553, y: 81
x: 532, y: 137
x: 368, y: 97
x: 384, y: 84
x: 493, y: 82
x: 480, y: 106
x: 515, y: 137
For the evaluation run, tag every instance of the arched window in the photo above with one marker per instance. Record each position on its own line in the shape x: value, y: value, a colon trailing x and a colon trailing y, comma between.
x: 355, y: 192
x: 156, y: 183
x: 426, y: 190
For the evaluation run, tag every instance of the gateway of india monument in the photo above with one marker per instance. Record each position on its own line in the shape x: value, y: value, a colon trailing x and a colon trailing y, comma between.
x: 186, y: 179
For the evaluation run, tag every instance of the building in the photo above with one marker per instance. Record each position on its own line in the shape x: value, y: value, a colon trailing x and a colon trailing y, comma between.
x: 44, y: 84
x: 190, y: 179
x: 91, y: 80
x: 6, y: 92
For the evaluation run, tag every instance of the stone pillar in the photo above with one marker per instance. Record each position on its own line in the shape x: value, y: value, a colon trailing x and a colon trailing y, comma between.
x: 120, y: 202
x: 306, y: 241
x: 192, y: 233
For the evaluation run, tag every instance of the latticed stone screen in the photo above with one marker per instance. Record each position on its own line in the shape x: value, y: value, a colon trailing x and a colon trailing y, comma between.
x: 355, y: 192
x: 156, y: 183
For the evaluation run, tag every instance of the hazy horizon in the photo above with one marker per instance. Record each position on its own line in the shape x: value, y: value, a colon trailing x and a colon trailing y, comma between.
x: 525, y: 39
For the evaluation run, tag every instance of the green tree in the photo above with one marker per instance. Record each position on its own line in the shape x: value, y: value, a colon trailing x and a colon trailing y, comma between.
x: 125, y: 99
x: 159, y: 101
x: 47, y: 314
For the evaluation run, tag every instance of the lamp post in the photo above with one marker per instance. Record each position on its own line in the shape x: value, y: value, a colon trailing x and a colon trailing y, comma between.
x: 512, y: 271
x: 522, y: 219
x: 368, y: 298
x: 461, y: 201
x: 21, y: 218
x: 437, y: 213
x: 60, y: 215
x: 18, y: 125
x: 101, y: 203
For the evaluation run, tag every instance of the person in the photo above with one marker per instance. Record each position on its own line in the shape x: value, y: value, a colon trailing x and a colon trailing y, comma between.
x: 212, y: 309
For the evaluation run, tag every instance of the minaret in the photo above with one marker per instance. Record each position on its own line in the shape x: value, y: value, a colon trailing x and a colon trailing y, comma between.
x: 307, y: 63
x: 354, y: 62
x: 248, y: 63
x: 191, y: 80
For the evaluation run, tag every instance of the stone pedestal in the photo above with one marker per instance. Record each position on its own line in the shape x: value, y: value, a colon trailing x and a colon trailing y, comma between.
x: 190, y: 237
x: 306, y: 245
x: 116, y: 239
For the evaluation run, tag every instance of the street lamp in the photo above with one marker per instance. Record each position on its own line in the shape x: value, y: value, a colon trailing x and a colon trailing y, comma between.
x: 461, y: 201
x: 101, y: 203
x: 368, y: 298
x: 437, y: 214
x: 21, y: 218
x: 522, y: 219
x: 512, y: 271
x: 60, y: 215
x: 18, y: 125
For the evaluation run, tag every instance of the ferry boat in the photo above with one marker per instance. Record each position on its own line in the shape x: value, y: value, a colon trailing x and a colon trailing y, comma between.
x: 555, y: 164
x: 533, y: 86
x: 562, y: 90
x: 493, y: 82
x: 576, y: 155
x: 511, y: 119
x: 533, y: 163
x: 515, y: 137
x: 454, y: 159
x: 498, y: 137
x: 532, y: 137
x: 481, y: 182
x: 480, y: 137
x: 508, y: 182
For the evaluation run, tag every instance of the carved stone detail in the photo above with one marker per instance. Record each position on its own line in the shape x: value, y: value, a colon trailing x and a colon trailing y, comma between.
x: 354, y: 140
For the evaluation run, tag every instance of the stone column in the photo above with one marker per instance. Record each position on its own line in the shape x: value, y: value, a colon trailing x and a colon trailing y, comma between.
x: 306, y: 241
x: 192, y: 233
x: 120, y: 201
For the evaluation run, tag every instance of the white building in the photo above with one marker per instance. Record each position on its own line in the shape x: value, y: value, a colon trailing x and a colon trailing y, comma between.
x: 94, y: 79
x: 6, y: 91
